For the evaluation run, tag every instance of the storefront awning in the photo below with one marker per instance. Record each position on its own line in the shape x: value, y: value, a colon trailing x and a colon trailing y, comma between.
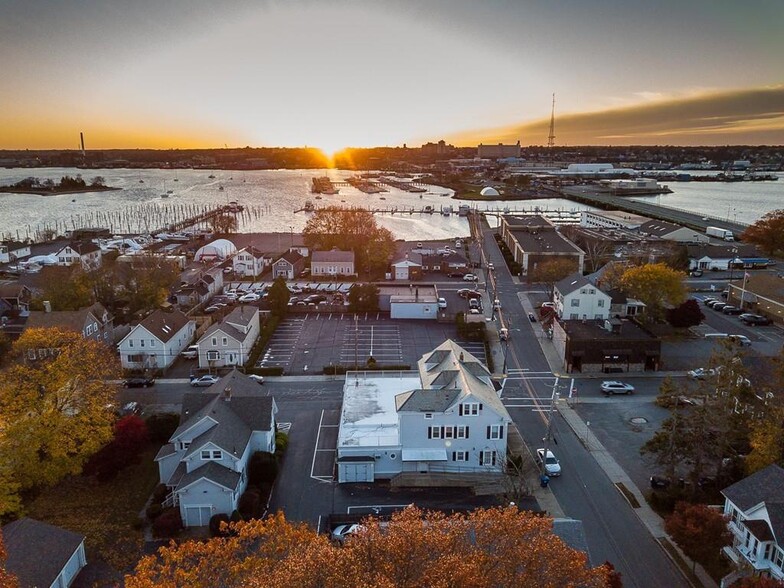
x: 424, y: 455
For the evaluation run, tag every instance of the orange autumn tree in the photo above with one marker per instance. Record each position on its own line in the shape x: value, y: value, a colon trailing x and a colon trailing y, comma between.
x: 484, y: 549
x: 7, y: 579
x: 56, y: 408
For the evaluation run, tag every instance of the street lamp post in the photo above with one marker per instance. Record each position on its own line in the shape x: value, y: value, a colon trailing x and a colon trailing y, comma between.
x: 732, y: 262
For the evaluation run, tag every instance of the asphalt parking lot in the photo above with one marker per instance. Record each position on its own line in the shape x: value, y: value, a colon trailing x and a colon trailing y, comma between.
x: 307, y: 343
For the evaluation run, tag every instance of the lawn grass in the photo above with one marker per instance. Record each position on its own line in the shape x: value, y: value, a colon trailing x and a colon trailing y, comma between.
x: 107, y: 514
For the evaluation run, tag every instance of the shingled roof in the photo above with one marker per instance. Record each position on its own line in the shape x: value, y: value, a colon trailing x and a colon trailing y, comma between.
x: 765, y: 487
x: 38, y: 552
x: 164, y: 325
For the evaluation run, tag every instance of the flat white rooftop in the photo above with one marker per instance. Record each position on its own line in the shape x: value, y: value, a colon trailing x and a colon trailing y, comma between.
x: 369, y: 417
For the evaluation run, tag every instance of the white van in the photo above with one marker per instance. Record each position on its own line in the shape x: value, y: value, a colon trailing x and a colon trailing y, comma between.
x: 503, y: 334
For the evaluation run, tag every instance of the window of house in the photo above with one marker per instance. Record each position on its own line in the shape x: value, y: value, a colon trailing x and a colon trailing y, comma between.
x: 141, y: 342
x: 428, y: 415
x: 449, y: 432
x: 574, y: 316
x: 214, y: 341
x: 778, y: 558
x: 217, y: 454
x: 205, y: 454
x: 434, y: 432
x: 487, y: 457
x: 470, y: 409
x: 89, y: 329
x: 459, y: 456
x: 591, y: 291
x: 213, y: 355
x: 41, y: 353
x: 461, y: 432
x: 185, y: 444
x: 95, y: 326
x: 225, y: 341
x: 495, y: 432
x: 135, y: 358
x: 583, y: 291
x: 575, y: 302
x: 130, y: 342
x: 152, y: 342
x: 600, y: 303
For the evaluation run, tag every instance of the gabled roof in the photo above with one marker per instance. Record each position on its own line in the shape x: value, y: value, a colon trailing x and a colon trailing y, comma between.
x: 164, y: 325
x: 38, y: 552
x: 214, y: 472
x: 434, y: 400
x: 291, y: 257
x: 411, y: 259
x: 241, y: 315
x: 257, y: 253
x: 13, y: 290
x: 73, y: 320
x: 573, y: 282
x: 763, y: 487
x: 450, y: 366
x: 82, y: 247
x: 721, y: 251
x: 333, y: 256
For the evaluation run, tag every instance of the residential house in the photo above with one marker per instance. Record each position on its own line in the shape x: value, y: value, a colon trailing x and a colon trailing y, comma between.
x: 446, y: 417
x: 15, y: 299
x: 251, y: 262
x: 575, y: 297
x: 288, y: 266
x: 93, y: 322
x: 755, y: 509
x: 156, y: 341
x: 230, y: 341
x: 447, y: 263
x: 759, y: 293
x: 409, y: 268
x: 199, y: 285
x: 605, y: 346
x: 85, y: 252
x: 205, y: 462
x: 722, y: 257
x: 621, y: 306
x: 534, y: 240
x: 672, y: 232
x: 332, y: 263
x: 10, y: 251
x: 42, y: 555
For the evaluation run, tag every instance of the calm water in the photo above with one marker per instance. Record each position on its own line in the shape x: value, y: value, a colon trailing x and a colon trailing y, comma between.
x: 273, y: 196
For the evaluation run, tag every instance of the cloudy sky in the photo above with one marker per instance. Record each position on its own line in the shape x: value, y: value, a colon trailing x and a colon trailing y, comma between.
x: 336, y: 73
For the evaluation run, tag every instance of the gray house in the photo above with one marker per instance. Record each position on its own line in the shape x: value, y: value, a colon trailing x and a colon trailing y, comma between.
x: 204, y: 465
x: 288, y: 266
x: 42, y: 555
x: 93, y: 322
x: 445, y: 417
x: 230, y: 341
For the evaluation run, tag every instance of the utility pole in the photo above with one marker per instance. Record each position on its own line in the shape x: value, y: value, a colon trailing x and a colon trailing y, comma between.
x: 356, y: 343
x: 549, y: 426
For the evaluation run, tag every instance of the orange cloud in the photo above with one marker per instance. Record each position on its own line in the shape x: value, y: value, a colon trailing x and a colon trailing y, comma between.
x: 750, y: 116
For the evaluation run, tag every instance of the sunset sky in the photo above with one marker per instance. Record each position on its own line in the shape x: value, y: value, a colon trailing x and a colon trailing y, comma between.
x: 331, y: 74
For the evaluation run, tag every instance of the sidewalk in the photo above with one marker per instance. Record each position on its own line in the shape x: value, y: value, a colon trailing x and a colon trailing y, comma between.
x: 652, y: 521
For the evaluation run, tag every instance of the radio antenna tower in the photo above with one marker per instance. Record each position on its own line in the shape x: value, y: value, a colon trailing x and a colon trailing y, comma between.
x: 551, y: 136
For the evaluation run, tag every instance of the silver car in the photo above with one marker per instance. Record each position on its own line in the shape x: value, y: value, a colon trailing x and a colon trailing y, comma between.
x: 613, y: 387
x: 204, y: 381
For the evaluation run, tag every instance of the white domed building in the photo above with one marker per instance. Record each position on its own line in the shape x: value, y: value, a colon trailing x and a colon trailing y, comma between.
x: 218, y: 250
x: 489, y: 192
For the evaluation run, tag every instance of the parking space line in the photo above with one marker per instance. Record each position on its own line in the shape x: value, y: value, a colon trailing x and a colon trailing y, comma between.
x: 316, y: 450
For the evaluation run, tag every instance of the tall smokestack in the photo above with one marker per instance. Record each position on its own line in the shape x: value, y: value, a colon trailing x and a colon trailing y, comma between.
x: 81, y: 140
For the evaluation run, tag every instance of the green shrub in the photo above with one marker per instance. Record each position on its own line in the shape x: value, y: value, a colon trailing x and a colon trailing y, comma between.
x: 281, y: 441
x: 161, y: 426
x: 168, y: 523
x: 236, y: 517
x: 249, y: 503
x: 215, y: 524
x: 154, y: 511
x: 262, y: 467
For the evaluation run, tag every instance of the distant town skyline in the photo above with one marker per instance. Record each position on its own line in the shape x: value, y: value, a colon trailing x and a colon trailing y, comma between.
x: 337, y: 73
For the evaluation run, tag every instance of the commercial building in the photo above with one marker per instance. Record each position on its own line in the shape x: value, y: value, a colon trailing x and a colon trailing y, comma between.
x: 672, y: 232
x: 446, y: 417
x: 409, y: 302
x: 498, y: 151
x: 534, y: 240
x: 611, y: 219
x: 761, y: 294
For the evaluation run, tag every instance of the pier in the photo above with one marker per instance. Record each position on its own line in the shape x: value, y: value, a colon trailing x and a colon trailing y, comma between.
x: 693, y: 220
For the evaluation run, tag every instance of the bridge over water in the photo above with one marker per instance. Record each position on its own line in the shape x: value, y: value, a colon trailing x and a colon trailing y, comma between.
x: 693, y: 220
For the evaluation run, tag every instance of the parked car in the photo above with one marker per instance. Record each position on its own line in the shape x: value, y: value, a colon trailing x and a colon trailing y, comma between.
x: 550, y: 305
x: 256, y: 378
x: 490, y: 265
x: 718, y: 306
x: 732, y: 310
x: 497, y: 304
x: 742, y: 340
x: 132, y: 407
x: 701, y: 373
x: 754, y: 319
x: 455, y: 274
x: 250, y: 297
x: 212, y: 308
x: 343, y: 532
x: 474, y: 311
x: 551, y: 465
x: 442, y: 303
x: 613, y: 387
x: 316, y: 298
x: 191, y: 352
x: 138, y: 382
x: 707, y: 301
x: 468, y: 293
x: 474, y: 303
x: 696, y: 273
x: 470, y: 278
x: 532, y: 317
x: 204, y: 381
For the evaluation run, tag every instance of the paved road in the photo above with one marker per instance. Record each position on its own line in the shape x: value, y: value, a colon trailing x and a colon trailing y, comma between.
x: 584, y: 491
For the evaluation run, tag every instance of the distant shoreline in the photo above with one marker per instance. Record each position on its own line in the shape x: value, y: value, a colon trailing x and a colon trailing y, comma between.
x: 55, y: 191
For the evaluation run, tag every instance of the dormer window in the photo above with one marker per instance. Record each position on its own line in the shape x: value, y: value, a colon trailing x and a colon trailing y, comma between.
x: 207, y: 454
x: 470, y: 409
